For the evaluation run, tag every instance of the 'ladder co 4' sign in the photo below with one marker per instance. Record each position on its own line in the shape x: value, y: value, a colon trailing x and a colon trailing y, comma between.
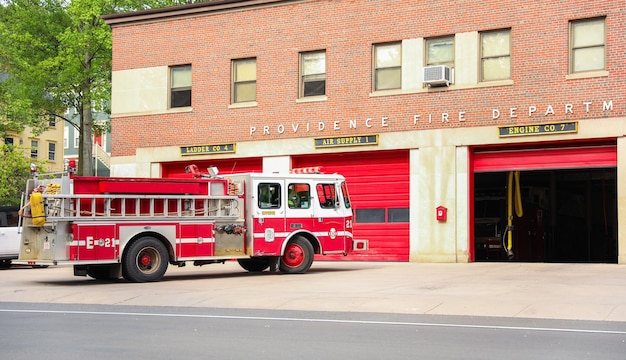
x: 207, y: 149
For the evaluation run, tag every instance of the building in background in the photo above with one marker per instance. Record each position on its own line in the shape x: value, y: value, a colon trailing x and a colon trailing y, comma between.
x: 440, y: 114
x: 46, y: 147
x: 101, y: 143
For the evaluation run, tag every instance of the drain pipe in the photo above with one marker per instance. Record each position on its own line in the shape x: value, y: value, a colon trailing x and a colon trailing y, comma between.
x: 519, y: 211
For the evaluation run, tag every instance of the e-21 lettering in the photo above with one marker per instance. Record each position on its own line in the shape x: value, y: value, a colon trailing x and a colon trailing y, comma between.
x: 90, y: 243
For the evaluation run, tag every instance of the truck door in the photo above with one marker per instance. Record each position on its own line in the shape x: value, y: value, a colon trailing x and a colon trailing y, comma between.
x: 328, y: 213
x: 268, y: 215
x: 299, y: 206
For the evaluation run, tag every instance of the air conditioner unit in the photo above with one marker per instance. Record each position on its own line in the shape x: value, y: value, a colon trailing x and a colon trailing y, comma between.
x: 438, y: 75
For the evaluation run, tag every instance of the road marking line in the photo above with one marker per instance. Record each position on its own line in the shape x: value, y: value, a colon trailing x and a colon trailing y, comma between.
x: 337, y: 321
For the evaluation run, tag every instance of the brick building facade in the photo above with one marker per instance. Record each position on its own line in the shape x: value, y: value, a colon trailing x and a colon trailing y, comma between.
x: 419, y: 104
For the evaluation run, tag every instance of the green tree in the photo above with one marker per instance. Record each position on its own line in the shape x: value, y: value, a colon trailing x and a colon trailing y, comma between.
x: 14, y: 171
x: 55, y: 55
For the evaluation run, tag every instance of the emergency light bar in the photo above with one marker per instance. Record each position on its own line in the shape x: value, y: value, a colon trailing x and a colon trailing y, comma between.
x: 307, y: 170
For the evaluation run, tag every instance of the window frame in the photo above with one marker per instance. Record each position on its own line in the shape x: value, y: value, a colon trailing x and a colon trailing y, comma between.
x: 572, y: 48
x: 34, y: 149
x: 384, y: 215
x: 52, y: 151
x: 76, y: 137
x: 427, y: 61
x: 180, y: 89
x: 376, y: 69
x: 483, y: 57
x: 298, y: 199
x: 66, y: 137
x: 327, y: 195
x: 274, y: 190
x: 234, y: 83
x: 317, y: 76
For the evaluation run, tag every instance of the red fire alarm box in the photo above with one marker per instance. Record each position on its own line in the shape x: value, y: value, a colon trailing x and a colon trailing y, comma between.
x: 442, y: 213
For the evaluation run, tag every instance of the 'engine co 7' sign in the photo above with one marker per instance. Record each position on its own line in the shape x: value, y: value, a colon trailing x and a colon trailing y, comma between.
x: 538, y: 129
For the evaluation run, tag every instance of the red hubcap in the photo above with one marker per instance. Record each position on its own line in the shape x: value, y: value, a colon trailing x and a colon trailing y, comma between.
x: 294, y: 255
x: 145, y: 260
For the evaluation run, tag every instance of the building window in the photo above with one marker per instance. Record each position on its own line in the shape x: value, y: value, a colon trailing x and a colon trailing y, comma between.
x: 387, y: 66
x: 363, y: 216
x: 398, y: 215
x: 76, y: 138
x: 34, y: 149
x: 378, y: 215
x: 495, y: 50
x: 244, y: 81
x: 440, y: 51
x: 52, y: 121
x: 313, y: 73
x: 587, y: 41
x: 66, y: 137
x: 8, y: 142
x: 180, y: 94
x: 52, y: 151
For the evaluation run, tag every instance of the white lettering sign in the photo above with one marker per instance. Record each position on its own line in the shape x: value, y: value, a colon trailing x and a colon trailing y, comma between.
x: 514, y: 112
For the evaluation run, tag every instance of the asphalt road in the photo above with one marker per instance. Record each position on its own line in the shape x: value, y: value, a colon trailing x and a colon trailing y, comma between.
x: 67, y: 332
x: 338, y: 310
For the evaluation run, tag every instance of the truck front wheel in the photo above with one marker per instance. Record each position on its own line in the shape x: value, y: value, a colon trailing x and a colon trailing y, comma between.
x: 298, y: 256
x: 145, y: 260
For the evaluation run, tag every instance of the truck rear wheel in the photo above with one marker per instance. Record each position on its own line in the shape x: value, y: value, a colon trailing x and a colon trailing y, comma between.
x: 298, y: 256
x: 254, y: 264
x: 145, y: 260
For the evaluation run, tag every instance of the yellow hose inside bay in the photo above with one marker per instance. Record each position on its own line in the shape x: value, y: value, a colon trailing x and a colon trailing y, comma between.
x: 514, y: 200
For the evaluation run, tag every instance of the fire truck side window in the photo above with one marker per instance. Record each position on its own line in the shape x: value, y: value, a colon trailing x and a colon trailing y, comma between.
x: 299, y: 196
x: 346, y: 197
x: 269, y: 196
x: 327, y: 195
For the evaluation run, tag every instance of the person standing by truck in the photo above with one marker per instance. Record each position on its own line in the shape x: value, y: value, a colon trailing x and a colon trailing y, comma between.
x: 39, y: 189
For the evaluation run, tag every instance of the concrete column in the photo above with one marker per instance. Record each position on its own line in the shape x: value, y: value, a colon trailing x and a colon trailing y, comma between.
x: 277, y: 164
x: 433, y: 180
x: 412, y: 63
x: 621, y: 200
x: 462, y: 204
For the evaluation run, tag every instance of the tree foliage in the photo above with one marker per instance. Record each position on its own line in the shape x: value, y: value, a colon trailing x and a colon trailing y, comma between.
x: 14, y: 171
x: 55, y: 55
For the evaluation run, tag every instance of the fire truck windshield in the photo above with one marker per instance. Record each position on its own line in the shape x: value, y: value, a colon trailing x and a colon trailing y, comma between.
x: 346, y: 197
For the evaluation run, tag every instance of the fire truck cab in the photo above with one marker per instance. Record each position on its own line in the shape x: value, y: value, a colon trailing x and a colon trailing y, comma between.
x: 134, y: 227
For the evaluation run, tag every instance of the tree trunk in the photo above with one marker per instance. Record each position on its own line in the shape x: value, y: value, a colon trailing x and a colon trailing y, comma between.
x: 85, y: 162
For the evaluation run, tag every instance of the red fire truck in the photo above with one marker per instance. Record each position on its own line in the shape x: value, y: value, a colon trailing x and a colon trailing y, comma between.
x: 107, y: 227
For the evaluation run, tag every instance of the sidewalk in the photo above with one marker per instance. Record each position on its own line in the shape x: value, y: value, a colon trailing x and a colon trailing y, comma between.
x: 525, y: 290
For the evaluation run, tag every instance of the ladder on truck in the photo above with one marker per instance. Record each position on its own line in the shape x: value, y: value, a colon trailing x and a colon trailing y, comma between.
x: 64, y: 207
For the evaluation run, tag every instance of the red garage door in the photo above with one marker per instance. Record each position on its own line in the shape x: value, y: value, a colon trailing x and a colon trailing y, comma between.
x: 546, y: 158
x: 225, y: 166
x: 379, y: 190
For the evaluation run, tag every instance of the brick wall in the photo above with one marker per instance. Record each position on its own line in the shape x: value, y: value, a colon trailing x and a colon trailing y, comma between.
x: 346, y: 29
